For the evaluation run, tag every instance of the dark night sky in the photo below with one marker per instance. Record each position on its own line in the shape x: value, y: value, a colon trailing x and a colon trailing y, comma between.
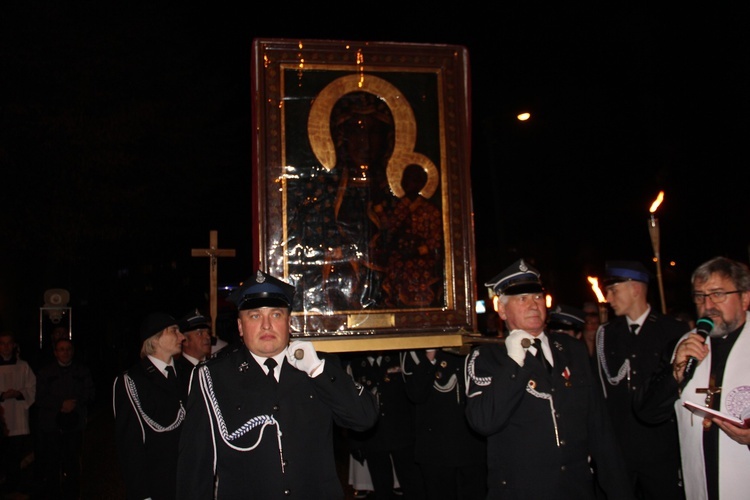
x: 126, y: 138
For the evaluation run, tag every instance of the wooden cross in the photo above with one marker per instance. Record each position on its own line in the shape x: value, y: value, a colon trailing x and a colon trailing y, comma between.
x: 213, y: 253
x: 709, y: 391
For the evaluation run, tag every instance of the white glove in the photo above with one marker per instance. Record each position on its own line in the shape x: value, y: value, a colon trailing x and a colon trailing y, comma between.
x: 513, y: 344
x: 301, y: 355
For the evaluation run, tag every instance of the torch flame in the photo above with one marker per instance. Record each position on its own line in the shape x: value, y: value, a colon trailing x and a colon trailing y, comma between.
x: 595, y: 287
x: 657, y: 202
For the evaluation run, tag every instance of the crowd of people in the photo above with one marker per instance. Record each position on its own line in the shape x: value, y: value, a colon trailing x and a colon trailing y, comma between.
x: 549, y: 410
x: 44, y: 410
x: 610, y: 422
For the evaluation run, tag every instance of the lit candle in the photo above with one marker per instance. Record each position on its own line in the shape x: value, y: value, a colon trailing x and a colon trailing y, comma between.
x: 603, y: 313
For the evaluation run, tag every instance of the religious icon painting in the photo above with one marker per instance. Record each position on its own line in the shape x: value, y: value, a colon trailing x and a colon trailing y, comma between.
x: 361, y: 185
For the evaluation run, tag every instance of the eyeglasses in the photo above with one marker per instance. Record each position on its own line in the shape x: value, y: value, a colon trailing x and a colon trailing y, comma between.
x: 716, y: 297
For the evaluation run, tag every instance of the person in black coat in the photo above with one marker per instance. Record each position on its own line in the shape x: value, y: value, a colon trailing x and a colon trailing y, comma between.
x: 260, y: 418
x: 452, y: 457
x: 196, y: 327
x: 629, y: 349
x: 149, y: 412
x: 64, y: 391
x: 389, y: 445
x: 538, y: 403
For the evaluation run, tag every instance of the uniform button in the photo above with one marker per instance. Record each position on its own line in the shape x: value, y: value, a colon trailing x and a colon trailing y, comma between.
x: 562, y: 442
x: 633, y: 355
x: 503, y: 482
x: 552, y: 390
x: 288, y: 493
x: 562, y: 468
x: 275, y: 407
x: 635, y: 372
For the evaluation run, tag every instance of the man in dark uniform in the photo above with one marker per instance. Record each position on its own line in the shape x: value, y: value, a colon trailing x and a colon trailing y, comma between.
x: 539, y: 405
x: 260, y: 418
x: 451, y: 456
x: 629, y: 349
x: 196, y: 327
x: 391, y: 440
x: 149, y: 412
x: 567, y: 320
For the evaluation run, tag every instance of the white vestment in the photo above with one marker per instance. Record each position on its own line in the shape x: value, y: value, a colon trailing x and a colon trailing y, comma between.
x: 18, y: 376
x: 734, y: 458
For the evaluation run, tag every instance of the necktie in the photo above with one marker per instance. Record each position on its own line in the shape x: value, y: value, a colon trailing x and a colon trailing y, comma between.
x: 634, y: 328
x: 540, y: 355
x: 270, y: 364
x: 171, y: 377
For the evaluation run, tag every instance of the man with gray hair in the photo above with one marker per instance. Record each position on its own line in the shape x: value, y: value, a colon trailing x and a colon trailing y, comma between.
x: 715, y: 455
x: 537, y: 401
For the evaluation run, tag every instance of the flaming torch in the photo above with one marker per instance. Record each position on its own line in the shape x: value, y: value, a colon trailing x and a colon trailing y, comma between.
x: 603, y: 314
x: 653, y: 230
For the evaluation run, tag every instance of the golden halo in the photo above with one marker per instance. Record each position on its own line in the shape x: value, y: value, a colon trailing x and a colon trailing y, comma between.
x: 321, y: 142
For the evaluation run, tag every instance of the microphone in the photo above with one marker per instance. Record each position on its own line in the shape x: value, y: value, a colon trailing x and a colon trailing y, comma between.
x: 703, y: 328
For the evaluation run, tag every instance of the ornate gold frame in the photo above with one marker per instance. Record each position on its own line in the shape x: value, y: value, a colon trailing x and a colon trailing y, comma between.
x: 295, y: 85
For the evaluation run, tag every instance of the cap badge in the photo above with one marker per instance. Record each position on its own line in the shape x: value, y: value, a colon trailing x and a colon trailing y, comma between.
x: 522, y: 267
x: 259, y: 278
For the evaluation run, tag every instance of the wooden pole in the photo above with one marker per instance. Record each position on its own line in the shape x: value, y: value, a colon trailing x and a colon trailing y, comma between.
x: 213, y: 253
x: 653, y: 229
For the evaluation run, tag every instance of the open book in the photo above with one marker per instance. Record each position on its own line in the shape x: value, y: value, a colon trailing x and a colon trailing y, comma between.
x: 705, y: 412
